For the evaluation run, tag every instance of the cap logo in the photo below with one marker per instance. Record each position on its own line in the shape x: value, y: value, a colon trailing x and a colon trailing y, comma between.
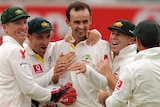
x: 131, y: 31
x: 18, y: 12
x: 45, y: 24
x: 118, y: 24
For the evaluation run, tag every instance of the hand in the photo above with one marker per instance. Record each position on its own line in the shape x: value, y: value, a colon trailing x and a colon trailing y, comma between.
x: 104, y: 68
x: 78, y: 66
x: 102, y: 95
x: 68, y: 37
x: 67, y: 59
x: 63, y: 62
x: 66, y: 94
x: 93, y: 36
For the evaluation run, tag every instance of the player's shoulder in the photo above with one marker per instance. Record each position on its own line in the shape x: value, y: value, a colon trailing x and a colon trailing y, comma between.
x: 103, y: 42
x: 58, y: 42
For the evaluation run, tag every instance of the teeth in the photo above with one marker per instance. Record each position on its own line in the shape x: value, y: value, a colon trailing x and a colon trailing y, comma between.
x: 114, y: 43
x: 80, y: 30
x: 22, y: 32
x: 43, y: 47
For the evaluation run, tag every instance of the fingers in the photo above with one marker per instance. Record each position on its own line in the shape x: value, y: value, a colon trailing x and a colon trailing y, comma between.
x: 59, y: 68
x: 78, y: 66
x: 68, y: 36
x: 70, y: 58
x: 101, y: 97
x: 93, y: 36
x: 103, y: 67
x: 108, y: 91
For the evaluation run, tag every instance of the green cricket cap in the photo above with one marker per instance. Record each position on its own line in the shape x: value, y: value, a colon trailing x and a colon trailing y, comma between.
x: 147, y: 30
x: 12, y: 14
x: 39, y: 25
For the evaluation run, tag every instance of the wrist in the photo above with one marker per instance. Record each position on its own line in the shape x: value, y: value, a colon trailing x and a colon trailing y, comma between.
x: 109, y: 75
x: 55, y: 79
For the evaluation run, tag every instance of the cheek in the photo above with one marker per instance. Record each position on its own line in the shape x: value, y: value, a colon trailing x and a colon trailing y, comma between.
x: 27, y: 27
x: 34, y: 42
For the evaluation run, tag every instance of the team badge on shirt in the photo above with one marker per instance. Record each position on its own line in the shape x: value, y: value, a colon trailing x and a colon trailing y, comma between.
x: 119, y: 84
x: 86, y: 59
x: 37, y: 68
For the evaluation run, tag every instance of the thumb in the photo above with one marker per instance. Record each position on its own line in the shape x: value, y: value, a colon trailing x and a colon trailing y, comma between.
x: 87, y: 36
x: 108, y: 91
x: 61, y: 54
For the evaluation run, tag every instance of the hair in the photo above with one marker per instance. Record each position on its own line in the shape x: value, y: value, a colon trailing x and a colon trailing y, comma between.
x: 77, y: 6
x: 150, y: 44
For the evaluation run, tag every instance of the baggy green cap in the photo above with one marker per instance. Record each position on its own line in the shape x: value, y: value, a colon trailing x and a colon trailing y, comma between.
x: 147, y: 30
x: 39, y: 25
x: 124, y: 26
x: 13, y: 13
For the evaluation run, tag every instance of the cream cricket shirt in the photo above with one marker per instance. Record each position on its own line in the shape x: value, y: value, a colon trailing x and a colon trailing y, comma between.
x: 86, y: 88
x: 16, y: 79
x: 125, y: 56
x: 139, y: 82
x: 42, y: 68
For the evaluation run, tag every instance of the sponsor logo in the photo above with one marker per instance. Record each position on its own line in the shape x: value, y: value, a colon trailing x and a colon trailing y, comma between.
x: 37, y: 68
x: 23, y: 64
x: 119, y: 84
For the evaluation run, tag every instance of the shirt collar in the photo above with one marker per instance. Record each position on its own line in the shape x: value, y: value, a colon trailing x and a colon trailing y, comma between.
x: 7, y: 38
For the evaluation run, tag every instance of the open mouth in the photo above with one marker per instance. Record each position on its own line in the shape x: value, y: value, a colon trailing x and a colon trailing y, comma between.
x: 43, y: 47
x: 114, y: 43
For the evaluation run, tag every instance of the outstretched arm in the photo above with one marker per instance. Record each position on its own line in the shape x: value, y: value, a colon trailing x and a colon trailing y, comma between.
x: 103, y: 67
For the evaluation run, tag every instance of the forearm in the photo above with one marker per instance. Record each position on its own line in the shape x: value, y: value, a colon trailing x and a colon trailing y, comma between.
x: 45, y: 79
x: 112, y: 81
x: 93, y: 76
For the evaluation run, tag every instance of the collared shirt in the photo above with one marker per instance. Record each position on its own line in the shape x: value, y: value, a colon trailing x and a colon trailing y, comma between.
x: 124, y: 57
x: 16, y: 79
x: 42, y: 68
x: 139, y: 82
x: 86, y: 90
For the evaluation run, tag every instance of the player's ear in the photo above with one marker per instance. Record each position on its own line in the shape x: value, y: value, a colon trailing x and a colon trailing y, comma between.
x: 68, y: 22
x: 90, y: 20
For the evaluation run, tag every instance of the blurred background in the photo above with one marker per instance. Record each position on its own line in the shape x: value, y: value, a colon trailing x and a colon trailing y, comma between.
x: 104, y: 12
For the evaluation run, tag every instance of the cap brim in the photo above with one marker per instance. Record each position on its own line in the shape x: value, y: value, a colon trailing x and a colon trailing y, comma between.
x: 43, y: 30
x: 117, y: 28
x: 19, y: 16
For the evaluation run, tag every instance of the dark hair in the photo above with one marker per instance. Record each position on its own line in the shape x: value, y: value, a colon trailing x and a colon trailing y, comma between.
x: 77, y: 6
x: 150, y: 44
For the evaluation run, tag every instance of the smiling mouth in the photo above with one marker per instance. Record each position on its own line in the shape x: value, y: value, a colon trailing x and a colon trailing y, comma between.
x: 114, y: 43
x: 43, y: 47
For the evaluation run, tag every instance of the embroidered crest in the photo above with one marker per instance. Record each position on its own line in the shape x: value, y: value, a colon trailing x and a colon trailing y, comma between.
x: 19, y: 12
x: 45, y: 24
x: 86, y: 59
x: 118, y: 24
x: 23, y: 53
